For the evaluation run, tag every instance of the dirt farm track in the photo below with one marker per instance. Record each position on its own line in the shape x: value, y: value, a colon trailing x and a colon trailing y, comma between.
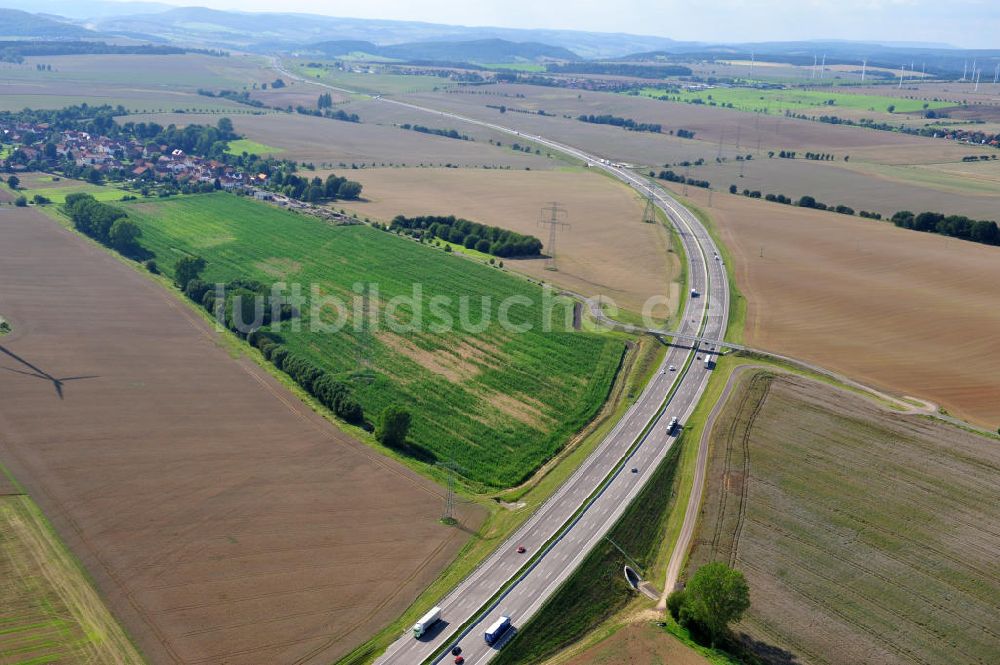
x: 221, y: 519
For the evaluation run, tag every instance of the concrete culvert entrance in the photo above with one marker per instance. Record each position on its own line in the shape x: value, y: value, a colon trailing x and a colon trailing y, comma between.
x: 632, y: 577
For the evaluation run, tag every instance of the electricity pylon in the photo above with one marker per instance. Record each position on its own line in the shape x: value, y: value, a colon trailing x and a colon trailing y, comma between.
x: 553, y: 217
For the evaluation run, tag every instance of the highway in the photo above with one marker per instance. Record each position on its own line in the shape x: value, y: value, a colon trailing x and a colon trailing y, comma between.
x: 579, y: 514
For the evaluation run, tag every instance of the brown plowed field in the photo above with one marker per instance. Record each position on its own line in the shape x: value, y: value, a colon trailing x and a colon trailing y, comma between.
x: 865, y: 536
x: 222, y: 520
x: 913, y: 313
x: 637, y: 644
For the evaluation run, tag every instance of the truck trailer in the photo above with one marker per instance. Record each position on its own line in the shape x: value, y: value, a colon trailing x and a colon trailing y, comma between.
x: 496, y: 631
x: 426, y: 621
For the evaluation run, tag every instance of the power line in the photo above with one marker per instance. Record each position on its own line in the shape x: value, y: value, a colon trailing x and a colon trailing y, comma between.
x: 649, y: 214
x: 553, y: 217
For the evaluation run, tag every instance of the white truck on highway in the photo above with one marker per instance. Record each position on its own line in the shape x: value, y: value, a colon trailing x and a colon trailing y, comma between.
x: 496, y: 631
x: 426, y: 621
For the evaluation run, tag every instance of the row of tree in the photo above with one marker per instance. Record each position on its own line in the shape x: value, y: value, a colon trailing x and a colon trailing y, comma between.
x: 315, y: 190
x: 106, y: 224
x: 487, y: 239
x: 339, y: 114
x: 447, y: 133
x: 954, y: 226
x: 804, y: 202
x: 618, y: 121
x: 671, y: 176
x: 246, y: 308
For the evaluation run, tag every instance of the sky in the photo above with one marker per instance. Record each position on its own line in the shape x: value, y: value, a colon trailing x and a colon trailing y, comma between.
x: 965, y: 23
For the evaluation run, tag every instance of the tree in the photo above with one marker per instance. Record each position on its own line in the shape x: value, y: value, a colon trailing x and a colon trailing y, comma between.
x: 124, y: 235
x: 716, y: 596
x: 188, y: 268
x: 393, y: 426
x: 349, y: 190
x: 14, y: 182
x: 21, y: 201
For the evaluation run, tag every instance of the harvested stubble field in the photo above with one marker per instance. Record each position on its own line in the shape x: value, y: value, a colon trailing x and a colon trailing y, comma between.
x: 49, y: 612
x: 186, y: 71
x: 220, y: 518
x: 322, y: 140
x: 962, y: 188
x: 496, y: 401
x: 912, y: 313
x: 158, y: 83
x: 866, y: 536
x: 710, y: 124
x: 608, y: 251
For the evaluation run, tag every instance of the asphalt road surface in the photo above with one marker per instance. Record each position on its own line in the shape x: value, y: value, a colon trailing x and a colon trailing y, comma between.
x: 571, y: 522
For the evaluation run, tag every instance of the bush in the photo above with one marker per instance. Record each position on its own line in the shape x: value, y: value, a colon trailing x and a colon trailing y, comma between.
x: 278, y: 357
x: 393, y: 427
x: 716, y: 596
x: 151, y: 266
x: 675, y: 601
x: 188, y: 268
x: 196, y: 290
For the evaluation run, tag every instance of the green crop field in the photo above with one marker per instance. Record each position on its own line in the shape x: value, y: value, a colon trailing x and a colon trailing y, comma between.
x: 497, y: 403
x: 376, y: 83
x: 240, y: 146
x: 778, y: 101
